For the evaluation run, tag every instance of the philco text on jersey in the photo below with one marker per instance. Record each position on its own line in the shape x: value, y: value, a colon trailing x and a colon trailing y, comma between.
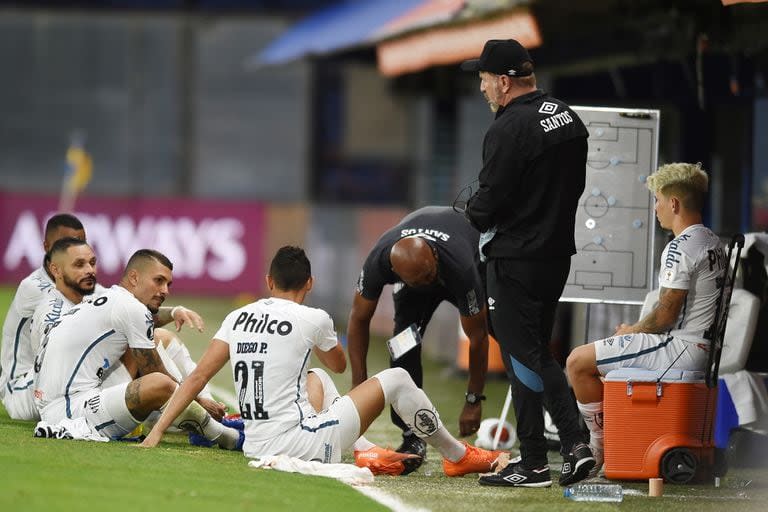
x: 248, y: 322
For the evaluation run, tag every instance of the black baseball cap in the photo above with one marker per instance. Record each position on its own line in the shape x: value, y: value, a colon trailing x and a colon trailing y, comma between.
x: 501, y: 57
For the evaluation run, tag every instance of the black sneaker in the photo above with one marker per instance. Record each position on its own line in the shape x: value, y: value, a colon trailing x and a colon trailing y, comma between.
x: 515, y: 475
x: 577, y: 464
x: 416, y: 446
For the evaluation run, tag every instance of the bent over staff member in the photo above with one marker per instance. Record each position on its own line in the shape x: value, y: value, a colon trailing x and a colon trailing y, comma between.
x: 430, y: 256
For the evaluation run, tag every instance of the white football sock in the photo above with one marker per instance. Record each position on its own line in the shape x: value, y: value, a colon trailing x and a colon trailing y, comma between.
x: 418, y: 413
x: 229, y: 437
x: 593, y: 417
x: 196, y: 419
x: 362, y: 444
x: 170, y: 366
x: 179, y: 354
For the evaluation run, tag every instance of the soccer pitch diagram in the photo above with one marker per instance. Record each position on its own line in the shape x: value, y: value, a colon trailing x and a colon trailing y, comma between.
x: 615, y: 218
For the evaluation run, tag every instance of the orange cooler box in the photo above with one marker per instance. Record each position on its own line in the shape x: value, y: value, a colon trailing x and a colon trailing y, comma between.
x: 495, y: 360
x: 658, y: 428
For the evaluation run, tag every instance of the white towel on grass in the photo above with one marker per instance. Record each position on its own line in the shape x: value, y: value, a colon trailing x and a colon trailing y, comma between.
x: 347, y: 473
x: 76, y: 428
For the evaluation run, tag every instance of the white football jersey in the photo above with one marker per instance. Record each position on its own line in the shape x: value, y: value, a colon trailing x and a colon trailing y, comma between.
x: 270, y: 342
x: 89, y: 339
x: 694, y: 261
x: 16, y: 354
x: 48, y: 312
x: 52, y: 305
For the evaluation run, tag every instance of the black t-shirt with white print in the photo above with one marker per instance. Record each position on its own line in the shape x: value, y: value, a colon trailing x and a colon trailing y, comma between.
x: 455, y: 241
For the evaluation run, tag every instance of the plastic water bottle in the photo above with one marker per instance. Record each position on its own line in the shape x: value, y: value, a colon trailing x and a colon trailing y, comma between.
x: 594, y: 492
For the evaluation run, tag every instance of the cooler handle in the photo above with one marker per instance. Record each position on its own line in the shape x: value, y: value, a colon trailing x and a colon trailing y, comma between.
x: 644, y: 393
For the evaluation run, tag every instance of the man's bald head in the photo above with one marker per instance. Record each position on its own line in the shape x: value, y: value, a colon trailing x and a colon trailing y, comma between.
x: 414, y: 261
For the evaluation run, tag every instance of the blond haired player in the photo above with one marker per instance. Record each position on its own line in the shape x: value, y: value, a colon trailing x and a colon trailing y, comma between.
x: 672, y: 334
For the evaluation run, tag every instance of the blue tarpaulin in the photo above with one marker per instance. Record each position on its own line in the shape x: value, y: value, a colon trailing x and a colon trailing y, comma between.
x: 345, y: 25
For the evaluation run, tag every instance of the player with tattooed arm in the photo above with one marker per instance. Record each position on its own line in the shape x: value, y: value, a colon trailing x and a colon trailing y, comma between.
x: 92, y: 337
x: 671, y: 335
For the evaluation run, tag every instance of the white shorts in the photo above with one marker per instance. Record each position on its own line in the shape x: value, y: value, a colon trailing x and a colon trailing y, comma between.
x: 104, y: 410
x: 651, y: 351
x: 117, y: 374
x: 19, y: 399
x: 320, y: 437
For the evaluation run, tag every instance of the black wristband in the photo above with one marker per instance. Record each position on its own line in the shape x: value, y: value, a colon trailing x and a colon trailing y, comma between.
x: 473, y: 398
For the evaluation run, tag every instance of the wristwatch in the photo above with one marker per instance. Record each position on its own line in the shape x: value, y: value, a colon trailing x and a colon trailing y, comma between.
x: 473, y: 398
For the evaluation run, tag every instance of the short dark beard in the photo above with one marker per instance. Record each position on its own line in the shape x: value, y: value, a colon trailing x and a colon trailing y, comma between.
x: 75, y: 286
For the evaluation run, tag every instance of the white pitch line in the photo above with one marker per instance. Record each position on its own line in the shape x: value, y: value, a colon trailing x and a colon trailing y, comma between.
x: 393, y: 503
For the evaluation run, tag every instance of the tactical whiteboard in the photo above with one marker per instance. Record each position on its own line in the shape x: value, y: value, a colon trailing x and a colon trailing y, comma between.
x: 615, y: 219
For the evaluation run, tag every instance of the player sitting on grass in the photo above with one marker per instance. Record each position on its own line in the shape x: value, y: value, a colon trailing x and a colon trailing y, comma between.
x: 91, y: 338
x: 17, y: 351
x: 321, y: 393
x: 72, y: 263
x: 269, y: 343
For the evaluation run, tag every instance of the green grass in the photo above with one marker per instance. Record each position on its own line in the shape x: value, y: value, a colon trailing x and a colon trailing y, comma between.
x: 45, y: 474
x: 41, y: 474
